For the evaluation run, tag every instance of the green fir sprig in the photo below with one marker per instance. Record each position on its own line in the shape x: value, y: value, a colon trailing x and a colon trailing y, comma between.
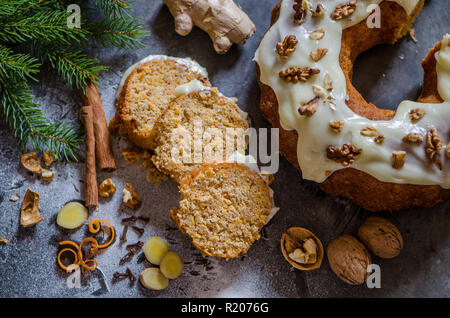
x: 35, y: 33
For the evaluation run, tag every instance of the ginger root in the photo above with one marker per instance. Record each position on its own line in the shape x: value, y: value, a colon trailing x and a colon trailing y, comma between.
x: 223, y: 20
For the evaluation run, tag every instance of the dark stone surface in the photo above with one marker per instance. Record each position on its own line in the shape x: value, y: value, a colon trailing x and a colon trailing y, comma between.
x: 27, y: 264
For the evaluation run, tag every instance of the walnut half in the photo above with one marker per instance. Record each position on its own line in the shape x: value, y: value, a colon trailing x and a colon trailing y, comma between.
x: 345, y: 155
x: 285, y: 48
x: 344, y: 10
x: 295, y: 74
x: 433, y: 147
x: 130, y: 197
x: 107, y: 188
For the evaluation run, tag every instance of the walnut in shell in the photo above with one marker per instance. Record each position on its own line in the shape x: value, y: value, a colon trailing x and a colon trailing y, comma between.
x: 349, y: 259
x: 381, y: 237
x: 29, y: 212
x: 297, y: 246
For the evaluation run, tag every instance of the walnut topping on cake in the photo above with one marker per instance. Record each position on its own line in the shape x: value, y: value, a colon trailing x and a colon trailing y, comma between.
x: 295, y: 74
x: 344, y: 10
x: 379, y: 139
x: 336, y: 125
x: 433, y: 147
x: 345, y: 155
x: 317, y: 55
x: 398, y: 159
x: 327, y: 82
x: 285, y: 48
x: 416, y: 114
x: 319, y: 91
x: 369, y: 132
x: 310, y: 107
x: 317, y: 35
x: 319, y: 12
x: 301, y: 8
x: 413, y: 138
x: 447, y: 150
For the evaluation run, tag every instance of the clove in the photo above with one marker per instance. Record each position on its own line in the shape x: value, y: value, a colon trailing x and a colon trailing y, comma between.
x: 131, y: 275
x: 129, y: 219
x: 135, y: 248
x: 138, y: 229
x: 143, y: 218
x: 123, y: 237
x: 126, y: 258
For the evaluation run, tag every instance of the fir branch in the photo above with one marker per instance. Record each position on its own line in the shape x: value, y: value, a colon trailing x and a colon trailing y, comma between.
x: 29, y: 125
x: 73, y: 66
x: 47, y: 26
x: 122, y: 32
x: 17, y: 67
x: 113, y: 8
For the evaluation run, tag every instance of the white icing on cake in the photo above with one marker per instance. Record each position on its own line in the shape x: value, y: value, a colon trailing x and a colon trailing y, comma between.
x: 189, y: 63
x: 314, y: 132
x: 192, y: 86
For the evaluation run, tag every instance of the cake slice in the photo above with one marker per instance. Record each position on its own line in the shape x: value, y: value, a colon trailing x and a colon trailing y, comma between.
x: 196, y: 128
x: 146, y: 90
x: 223, y: 207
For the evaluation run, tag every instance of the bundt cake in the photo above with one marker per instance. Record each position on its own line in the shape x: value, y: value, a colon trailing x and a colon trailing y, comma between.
x: 379, y: 158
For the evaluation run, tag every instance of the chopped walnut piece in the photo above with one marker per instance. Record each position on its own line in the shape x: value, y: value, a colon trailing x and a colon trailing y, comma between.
x: 14, y: 197
x: 319, y: 12
x: 327, y: 82
x: 306, y: 253
x: 398, y: 159
x: 310, y: 107
x: 30, y: 161
x: 107, y: 188
x: 318, y: 54
x: 416, y: 114
x: 29, y: 212
x: 447, y: 150
x: 3, y: 240
x: 49, y: 157
x: 131, y: 156
x: 317, y: 35
x: 369, y: 132
x: 344, y: 10
x: 47, y: 175
x: 130, y: 197
x: 319, y: 91
x: 379, y: 139
x: 336, y: 125
x: 295, y: 74
x: 433, y: 147
x: 345, y: 155
x: 301, y: 8
x: 285, y: 48
x: 413, y: 138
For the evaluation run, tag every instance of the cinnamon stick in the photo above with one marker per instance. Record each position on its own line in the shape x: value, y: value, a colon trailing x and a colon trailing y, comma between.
x: 103, y: 149
x: 91, y: 190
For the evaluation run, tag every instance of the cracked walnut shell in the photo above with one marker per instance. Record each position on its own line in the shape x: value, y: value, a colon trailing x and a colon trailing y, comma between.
x: 301, y: 248
x: 29, y: 212
x: 30, y: 161
x: 381, y: 237
x: 349, y: 259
